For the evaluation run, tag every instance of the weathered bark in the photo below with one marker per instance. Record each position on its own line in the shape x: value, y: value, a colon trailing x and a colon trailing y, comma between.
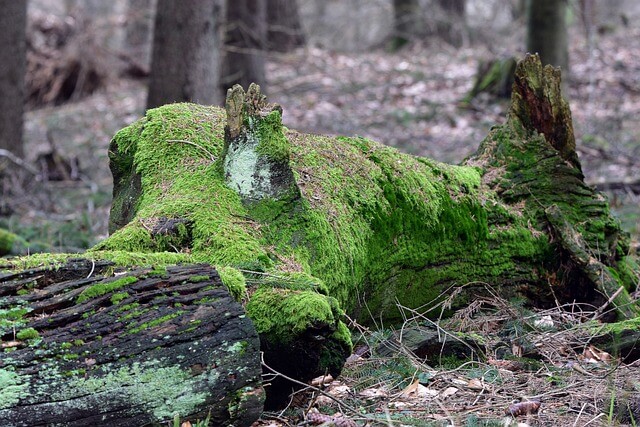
x: 244, y: 44
x: 139, y: 30
x: 13, y: 54
x: 84, y: 347
x: 547, y: 32
x: 185, y: 56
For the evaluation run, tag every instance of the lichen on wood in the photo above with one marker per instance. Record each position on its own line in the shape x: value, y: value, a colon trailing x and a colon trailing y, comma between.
x: 138, y: 349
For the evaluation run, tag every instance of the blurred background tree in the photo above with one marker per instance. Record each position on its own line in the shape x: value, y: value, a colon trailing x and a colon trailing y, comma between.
x: 284, y: 27
x: 13, y: 22
x: 245, y: 43
x: 547, y: 31
x: 185, y: 56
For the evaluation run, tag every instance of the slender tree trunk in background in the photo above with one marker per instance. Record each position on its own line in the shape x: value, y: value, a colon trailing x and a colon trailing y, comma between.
x: 452, y: 28
x: 245, y: 36
x: 455, y: 7
x: 405, y: 14
x: 547, y: 32
x: 284, y: 29
x: 13, y: 21
x: 185, y: 55
x: 138, y: 37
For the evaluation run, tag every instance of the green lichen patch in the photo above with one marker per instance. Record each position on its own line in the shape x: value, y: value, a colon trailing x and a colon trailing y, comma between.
x: 12, y: 388
x: 105, y: 288
x: 165, y: 390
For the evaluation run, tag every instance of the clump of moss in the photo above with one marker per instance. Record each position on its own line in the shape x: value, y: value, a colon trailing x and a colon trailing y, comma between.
x: 234, y: 281
x: 118, y: 297
x: 272, y: 142
x: 282, y: 314
x: 6, y: 242
x: 104, y: 288
x: 27, y: 334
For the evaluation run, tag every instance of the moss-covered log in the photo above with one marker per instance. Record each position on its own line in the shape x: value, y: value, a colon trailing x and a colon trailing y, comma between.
x: 87, y: 344
x: 315, y: 225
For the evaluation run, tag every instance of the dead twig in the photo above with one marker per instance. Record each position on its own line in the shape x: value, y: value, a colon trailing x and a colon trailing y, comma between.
x: 18, y: 161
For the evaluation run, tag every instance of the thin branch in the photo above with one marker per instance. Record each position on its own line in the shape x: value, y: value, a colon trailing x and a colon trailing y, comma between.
x: 316, y: 389
x: 18, y: 161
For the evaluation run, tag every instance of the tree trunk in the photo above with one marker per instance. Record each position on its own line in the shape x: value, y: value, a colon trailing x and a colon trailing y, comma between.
x: 139, y: 30
x: 451, y: 28
x: 284, y: 29
x: 13, y: 21
x: 185, y: 56
x: 406, y: 16
x: 245, y: 36
x: 84, y: 347
x: 547, y: 32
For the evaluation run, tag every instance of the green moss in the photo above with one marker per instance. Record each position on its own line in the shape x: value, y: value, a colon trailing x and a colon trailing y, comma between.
x: 105, y: 288
x: 272, y: 142
x: 12, y: 319
x: 155, y: 322
x: 6, y: 241
x: 118, y: 297
x: 282, y: 314
x: 234, y: 281
x: 27, y: 334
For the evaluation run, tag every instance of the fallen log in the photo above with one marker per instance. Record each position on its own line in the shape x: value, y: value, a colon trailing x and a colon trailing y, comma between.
x: 82, y: 346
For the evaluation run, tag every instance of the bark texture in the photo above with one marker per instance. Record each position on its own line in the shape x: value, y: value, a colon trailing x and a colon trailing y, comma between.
x: 139, y: 30
x: 547, y: 32
x: 185, y: 56
x: 84, y: 347
x: 13, y: 54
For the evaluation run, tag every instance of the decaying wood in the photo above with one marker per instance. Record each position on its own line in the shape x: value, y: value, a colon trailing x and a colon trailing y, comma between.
x: 157, y: 344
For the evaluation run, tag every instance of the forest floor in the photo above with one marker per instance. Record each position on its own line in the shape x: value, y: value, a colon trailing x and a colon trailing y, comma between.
x: 411, y: 100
